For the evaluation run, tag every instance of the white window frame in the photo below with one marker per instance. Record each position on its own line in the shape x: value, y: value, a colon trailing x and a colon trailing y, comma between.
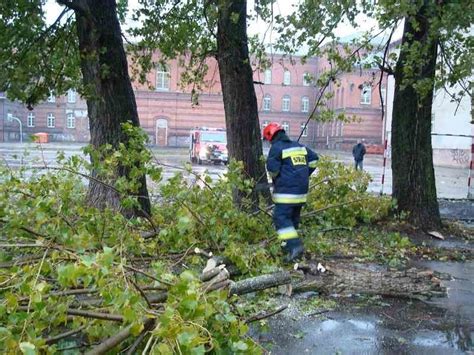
x: 30, y: 120
x: 305, y: 104
x: 267, y: 103
x: 50, y: 121
x: 286, y: 126
x: 366, y: 95
x: 71, y: 96
x: 267, y: 76
x: 304, y: 129
x: 286, y: 103
x: 286, y: 77
x: 51, y: 97
x: 70, y: 120
x: 306, y: 79
x: 163, y: 78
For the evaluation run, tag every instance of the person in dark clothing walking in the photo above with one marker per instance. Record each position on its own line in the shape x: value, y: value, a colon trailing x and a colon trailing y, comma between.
x: 290, y: 164
x: 358, y: 152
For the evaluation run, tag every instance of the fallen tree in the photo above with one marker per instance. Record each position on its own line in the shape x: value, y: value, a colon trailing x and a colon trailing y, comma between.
x: 70, y: 271
x: 370, y: 279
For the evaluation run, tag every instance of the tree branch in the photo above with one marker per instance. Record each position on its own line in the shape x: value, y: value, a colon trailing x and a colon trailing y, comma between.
x: 115, y: 340
x: 264, y: 315
x: 58, y: 337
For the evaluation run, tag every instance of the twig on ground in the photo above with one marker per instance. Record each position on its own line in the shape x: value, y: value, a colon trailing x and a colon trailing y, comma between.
x: 115, y: 340
x: 58, y: 337
x: 265, y: 315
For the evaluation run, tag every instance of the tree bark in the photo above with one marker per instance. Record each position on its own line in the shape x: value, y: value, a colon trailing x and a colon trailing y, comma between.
x: 240, y: 102
x: 372, y: 279
x: 110, y: 98
x: 414, y: 185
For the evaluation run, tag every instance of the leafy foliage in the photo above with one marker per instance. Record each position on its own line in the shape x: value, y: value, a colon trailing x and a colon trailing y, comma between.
x: 54, y: 242
x: 335, y: 184
x: 55, y: 245
x: 36, y: 58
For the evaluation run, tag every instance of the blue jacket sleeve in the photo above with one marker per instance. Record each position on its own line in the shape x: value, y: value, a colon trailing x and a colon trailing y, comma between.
x: 274, y: 161
x: 312, y: 160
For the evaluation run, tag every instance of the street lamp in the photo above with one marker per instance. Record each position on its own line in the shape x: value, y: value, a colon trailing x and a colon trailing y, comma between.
x: 10, y: 118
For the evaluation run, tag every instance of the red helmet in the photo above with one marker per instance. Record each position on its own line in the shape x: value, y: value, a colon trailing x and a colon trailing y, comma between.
x: 271, y: 130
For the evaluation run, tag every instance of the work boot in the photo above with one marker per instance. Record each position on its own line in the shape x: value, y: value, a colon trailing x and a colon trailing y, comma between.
x: 294, y: 249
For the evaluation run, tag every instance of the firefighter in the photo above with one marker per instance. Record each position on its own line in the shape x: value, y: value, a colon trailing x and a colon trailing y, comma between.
x: 289, y: 164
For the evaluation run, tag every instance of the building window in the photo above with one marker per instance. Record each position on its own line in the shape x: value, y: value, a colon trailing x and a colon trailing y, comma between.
x: 267, y: 78
x: 285, y: 103
x: 51, y: 97
x: 265, y: 124
x: 286, y: 126
x: 31, y: 120
x: 333, y: 128
x: 306, y: 79
x: 366, y: 95
x: 304, y: 129
x: 304, y: 104
x: 162, y: 78
x: 51, y: 121
x: 286, y: 77
x: 70, y: 121
x: 71, y: 96
x: 267, y: 103
x: 341, y: 125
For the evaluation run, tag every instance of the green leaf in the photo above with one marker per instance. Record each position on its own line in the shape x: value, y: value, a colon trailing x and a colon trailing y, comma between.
x: 27, y: 348
x: 240, y: 346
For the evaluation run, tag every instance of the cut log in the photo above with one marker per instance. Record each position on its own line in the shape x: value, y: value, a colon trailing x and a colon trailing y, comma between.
x: 209, y: 274
x: 372, y: 279
x: 222, y: 276
x: 259, y: 283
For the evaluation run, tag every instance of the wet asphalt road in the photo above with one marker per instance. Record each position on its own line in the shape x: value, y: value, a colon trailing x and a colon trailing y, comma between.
x: 450, y: 182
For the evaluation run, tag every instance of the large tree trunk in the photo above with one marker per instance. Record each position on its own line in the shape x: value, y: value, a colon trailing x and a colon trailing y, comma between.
x: 371, y: 279
x: 110, y: 100
x: 414, y: 185
x: 240, y: 102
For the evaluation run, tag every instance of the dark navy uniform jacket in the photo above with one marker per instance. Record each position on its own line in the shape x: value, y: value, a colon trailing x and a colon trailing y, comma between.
x: 290, y: 164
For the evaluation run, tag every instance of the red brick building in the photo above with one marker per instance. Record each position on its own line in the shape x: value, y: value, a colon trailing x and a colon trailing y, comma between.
x: 357, y: 95
x: 285, y: 94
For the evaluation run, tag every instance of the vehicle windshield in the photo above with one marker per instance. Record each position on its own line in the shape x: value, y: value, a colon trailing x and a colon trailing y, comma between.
x: 217, y: 137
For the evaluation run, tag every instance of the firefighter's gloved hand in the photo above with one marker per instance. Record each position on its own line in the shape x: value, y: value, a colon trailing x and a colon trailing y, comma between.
x: 293, y: 248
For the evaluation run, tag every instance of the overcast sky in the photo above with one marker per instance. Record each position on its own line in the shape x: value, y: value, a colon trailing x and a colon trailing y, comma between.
x: 281, y: 7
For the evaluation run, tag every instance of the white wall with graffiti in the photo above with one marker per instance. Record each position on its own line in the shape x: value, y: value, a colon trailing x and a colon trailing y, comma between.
x: 451, y: 130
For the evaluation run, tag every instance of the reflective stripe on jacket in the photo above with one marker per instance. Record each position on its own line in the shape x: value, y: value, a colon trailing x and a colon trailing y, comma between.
x: 290, y: 164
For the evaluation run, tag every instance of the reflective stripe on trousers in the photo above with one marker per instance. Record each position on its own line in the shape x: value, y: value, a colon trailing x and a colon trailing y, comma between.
x: 286, y: 218
x: 287, y: 233
x: 289, y: 198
